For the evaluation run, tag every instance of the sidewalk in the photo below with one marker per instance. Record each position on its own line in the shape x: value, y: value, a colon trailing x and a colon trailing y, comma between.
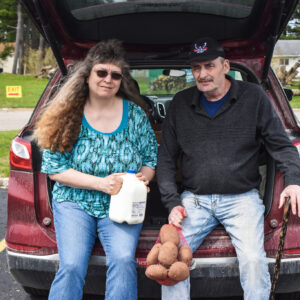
x: 14, y: 118
x: 297, y: 112
x: 3, y: 183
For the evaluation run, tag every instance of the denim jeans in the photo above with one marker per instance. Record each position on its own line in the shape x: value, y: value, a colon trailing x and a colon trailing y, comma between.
x: 242, y: 215
x: 75, y: 233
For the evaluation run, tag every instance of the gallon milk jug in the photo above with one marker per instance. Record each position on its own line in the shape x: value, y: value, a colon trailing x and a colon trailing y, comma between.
x: 129, y: 204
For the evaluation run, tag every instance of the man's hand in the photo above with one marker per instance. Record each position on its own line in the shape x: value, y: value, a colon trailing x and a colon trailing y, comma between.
x: 292, y: 191
x: 177, y: 215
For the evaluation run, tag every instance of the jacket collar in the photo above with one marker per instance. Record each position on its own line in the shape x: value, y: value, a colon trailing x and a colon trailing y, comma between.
x: 232, y: 97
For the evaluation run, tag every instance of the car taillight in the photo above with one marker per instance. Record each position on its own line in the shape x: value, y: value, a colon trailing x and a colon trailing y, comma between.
x: 297, y: 145
x: 291, y: 251
x: 21, y: 247
x: 20, y: 154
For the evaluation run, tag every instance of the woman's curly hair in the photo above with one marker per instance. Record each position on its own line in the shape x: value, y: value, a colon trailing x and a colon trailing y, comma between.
x: 60, y: 122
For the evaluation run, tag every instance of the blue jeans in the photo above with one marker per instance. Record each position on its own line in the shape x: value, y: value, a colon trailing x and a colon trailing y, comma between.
x: 242, y: 216
x: 75, y: 233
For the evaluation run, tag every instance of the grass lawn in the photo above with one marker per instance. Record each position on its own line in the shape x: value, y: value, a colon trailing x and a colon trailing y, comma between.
x: 5, y: 141
x: 295, y: 103
x: 32, y: 89
x: 296, y: 82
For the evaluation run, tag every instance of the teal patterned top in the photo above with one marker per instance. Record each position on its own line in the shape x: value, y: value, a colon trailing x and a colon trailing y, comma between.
x: 131, y: 146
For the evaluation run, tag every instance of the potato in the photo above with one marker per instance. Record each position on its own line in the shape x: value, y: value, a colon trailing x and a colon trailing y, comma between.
x: 179, y: 271
x: 152, y: 257
x: 167, y: 254
x: 185, y: 255
x: 169, y: 233
x: 156, y: 272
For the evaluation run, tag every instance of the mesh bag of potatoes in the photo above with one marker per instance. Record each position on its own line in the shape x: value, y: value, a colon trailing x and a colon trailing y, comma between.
x: 169, y: 260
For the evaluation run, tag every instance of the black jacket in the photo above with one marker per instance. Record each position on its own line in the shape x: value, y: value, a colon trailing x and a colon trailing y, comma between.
x: 220, y: 155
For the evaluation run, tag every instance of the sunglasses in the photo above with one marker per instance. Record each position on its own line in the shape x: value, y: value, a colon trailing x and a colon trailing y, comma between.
x: 104, y: 73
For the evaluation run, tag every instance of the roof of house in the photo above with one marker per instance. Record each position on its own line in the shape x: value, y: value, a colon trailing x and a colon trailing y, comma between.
x: 290, y: 48
x: 2, y: 45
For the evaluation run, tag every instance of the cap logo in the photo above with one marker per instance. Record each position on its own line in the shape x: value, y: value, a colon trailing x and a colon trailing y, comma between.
x: 200, y: 49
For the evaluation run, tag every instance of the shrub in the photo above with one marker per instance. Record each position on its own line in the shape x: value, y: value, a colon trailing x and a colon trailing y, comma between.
x: 38, y: 65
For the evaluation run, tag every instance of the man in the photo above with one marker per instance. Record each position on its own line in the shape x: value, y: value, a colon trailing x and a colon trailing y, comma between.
x: 218, y: 127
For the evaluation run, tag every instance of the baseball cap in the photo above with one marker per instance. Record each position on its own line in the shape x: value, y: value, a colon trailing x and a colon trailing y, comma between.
x: 205, y: 49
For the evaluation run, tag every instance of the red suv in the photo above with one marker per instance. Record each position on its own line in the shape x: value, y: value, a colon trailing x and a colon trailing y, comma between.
x: 156, y: 36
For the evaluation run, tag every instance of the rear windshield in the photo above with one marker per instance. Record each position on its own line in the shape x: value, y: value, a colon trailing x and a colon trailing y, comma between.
x: 93, y: 9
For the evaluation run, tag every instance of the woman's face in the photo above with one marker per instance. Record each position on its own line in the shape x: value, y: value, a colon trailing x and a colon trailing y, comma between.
x: 104, y: 80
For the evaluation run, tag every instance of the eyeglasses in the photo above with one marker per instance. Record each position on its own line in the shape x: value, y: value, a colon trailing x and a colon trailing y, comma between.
x: 104, y: 73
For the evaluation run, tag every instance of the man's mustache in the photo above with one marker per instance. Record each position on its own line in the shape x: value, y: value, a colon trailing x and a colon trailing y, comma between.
x: 205, y: 80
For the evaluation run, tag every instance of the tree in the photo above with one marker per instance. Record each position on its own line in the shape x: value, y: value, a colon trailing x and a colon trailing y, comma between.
x: 7, y: 51
x: 292, y: 30
x: 286, y: 77
x: 41, y: 53
x: 8, y: 23
x: 19, y: 50
x: 15, y: 26
x: 8, y: 20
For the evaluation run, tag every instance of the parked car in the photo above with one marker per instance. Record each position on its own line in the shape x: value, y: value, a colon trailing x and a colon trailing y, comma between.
x: 157, y: 36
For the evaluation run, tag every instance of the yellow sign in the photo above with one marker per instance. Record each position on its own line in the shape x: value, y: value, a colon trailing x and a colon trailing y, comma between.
x: 13, y: 91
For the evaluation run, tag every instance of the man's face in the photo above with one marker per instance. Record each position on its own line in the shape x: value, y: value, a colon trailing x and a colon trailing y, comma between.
x: 210, y: 74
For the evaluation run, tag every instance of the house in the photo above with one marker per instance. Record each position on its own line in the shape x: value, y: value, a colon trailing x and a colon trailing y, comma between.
x: 7, y: 64
x: 286, y: 53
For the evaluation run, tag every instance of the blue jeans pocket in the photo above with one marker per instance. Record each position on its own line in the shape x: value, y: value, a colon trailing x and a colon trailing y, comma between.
x: 189, y: 200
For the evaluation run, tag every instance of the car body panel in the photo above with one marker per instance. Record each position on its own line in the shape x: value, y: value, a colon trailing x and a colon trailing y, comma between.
x: 248, y: 40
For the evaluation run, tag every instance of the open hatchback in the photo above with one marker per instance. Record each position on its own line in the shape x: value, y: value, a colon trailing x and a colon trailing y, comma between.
x: 157, y: 37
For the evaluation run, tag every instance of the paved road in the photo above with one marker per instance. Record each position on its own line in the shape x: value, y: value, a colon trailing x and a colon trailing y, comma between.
x: 11, y: 119
x: 297, y: 113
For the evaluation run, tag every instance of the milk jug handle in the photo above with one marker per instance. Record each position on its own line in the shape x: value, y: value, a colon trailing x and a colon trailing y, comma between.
x: 131, y: 172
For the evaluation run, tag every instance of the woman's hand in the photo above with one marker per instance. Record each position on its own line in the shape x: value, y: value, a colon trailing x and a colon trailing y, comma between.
x: 111, y: 184
x: 140, y: 176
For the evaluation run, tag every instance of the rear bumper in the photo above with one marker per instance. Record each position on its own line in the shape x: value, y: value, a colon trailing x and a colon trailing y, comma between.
x: 219, y: 277
x: 210, y: 277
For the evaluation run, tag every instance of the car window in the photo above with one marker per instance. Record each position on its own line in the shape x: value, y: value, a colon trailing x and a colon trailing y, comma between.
x: 168, y: 82
x: 154, y: 82
x: 92, y: 9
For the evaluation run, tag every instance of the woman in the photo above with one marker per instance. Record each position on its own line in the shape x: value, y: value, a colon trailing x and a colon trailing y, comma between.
x: 91, y: 134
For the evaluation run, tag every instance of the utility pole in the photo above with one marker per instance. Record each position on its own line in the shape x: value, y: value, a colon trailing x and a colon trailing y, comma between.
x: 19, y: 50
